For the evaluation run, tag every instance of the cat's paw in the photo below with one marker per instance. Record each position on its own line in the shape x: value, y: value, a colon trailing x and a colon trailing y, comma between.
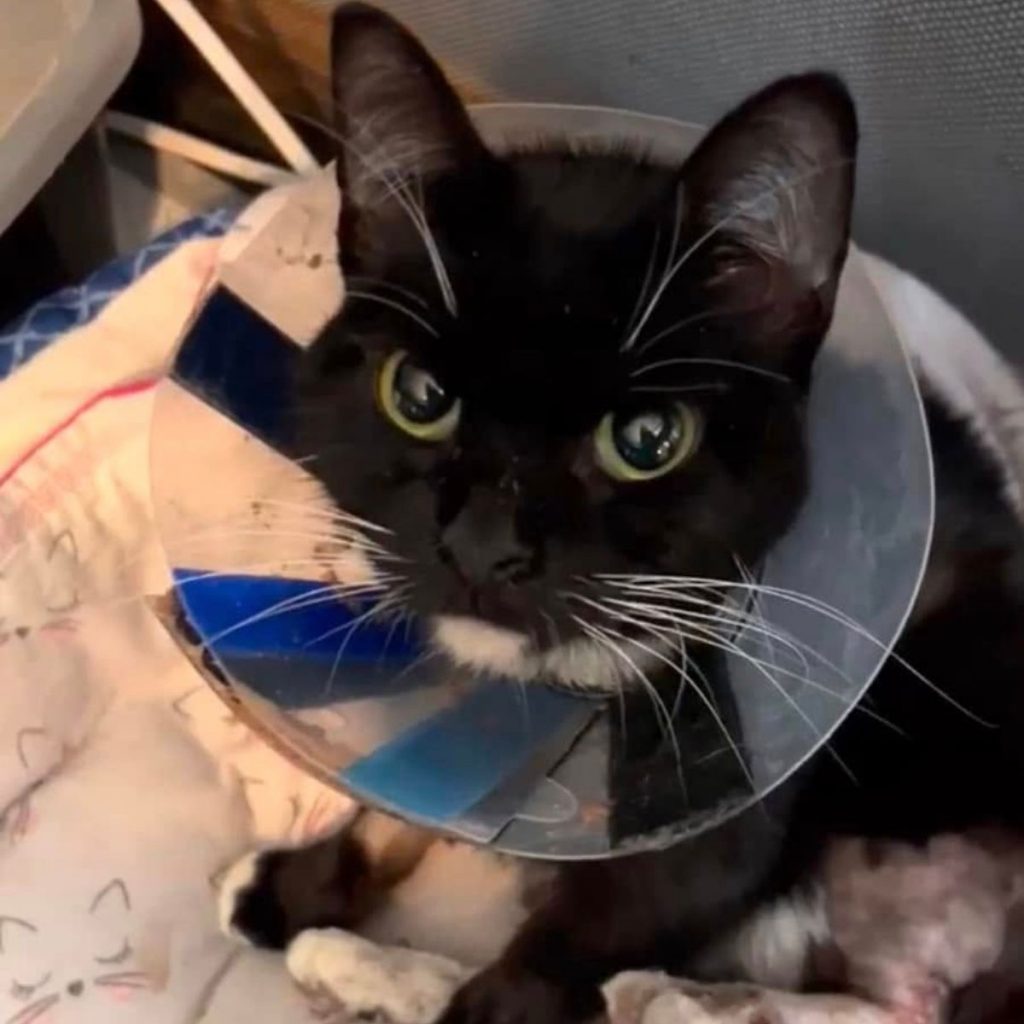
x: 647, y: 997
x: 382, y: 983
x: 271, y: 897
x: 248, y: 909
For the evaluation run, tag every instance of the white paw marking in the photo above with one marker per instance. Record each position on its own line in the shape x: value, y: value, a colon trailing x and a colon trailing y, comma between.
x: 237, y: 879
x: 400, y: 985
x: 676, y: 1008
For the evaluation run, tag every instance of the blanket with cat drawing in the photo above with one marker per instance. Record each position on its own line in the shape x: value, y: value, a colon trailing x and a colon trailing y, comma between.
x: 128, y: 789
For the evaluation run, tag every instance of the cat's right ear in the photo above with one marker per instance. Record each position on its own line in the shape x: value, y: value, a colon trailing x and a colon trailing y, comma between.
x: 11, y: 925
x: 769, y: 193
x: 398, y: 120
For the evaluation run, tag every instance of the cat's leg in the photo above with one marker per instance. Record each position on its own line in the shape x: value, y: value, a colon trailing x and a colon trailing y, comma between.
x: 898, y: 927
x: 604, y: 917
x: 312, y: 900
x: 903, y: 926
x: 269, y: 897
x: 403, y: 890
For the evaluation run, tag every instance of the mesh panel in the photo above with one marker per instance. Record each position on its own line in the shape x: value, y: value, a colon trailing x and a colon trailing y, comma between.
x: 939, y: 83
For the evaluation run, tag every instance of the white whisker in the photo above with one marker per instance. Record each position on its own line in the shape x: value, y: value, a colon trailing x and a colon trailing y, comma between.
x: 809, y: 604
x: 697, y: 630
x: 397, y: 188
x: 332, y: 513
x: 713, y: 639
x: 351, y: 293
x: 646, y: 281
x: 705, y: 698
x: 679, y: 325
x: 738, y: 210
x: 374, y: 282
x: 707, y: 634
x: 604, y: 637
x: 349, y: 628
x: 677, y: 226
x: 428, y: 655
x: 386, y: 603
x: 739, y: 620
x: 724, y: 363
x: 327, y: 594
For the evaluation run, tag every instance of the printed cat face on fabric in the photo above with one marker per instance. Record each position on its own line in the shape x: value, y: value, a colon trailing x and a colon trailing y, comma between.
x: 38, y: 588
x: 48, y: 974
x: 40, y: 643
x: 560, y: 364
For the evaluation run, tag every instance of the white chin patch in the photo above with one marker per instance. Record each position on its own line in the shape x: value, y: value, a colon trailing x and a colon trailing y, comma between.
x: 580, y: 663
x: 479, y: 645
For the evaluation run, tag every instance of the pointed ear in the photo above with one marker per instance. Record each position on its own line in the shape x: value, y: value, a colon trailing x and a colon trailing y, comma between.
x: 61, y: 592
x: 773, y: 182
x: 113, y: 894
x: 397, y: 119
x: 13, y: 925
x: 24, y: 742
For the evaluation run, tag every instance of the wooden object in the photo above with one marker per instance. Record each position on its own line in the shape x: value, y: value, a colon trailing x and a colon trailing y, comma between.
x: 282, y: 43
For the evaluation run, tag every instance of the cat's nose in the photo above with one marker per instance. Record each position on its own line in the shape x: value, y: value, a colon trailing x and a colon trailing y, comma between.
x: 76, y: 988
x: 477, y: 566
x: 483, y: 548
x: 480, y: 561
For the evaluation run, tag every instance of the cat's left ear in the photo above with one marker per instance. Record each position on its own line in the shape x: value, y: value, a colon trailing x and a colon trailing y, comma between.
x: 398, y: 120
x: 769, y: 194
x: 114, y: 895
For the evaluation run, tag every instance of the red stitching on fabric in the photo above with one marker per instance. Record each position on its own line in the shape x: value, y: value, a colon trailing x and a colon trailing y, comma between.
x: 120, y: 391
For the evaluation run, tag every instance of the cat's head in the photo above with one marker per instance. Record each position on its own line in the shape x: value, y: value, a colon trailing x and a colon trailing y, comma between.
x: 559, y: 373
x: 41, y: 971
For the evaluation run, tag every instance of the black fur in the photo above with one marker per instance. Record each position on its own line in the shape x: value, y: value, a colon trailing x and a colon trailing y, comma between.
x: 326, y: 885
x: 940, y: 772
x: 546, y: 252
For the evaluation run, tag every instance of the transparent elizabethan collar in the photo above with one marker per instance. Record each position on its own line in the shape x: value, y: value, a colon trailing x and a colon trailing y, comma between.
x: 365, y: 706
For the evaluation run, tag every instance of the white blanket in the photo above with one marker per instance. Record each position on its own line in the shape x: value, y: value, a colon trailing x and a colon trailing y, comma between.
x: 128, y: 787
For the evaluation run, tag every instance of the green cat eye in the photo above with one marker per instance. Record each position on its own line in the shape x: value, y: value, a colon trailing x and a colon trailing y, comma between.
x: 411, y: 397
x: 645, y: 444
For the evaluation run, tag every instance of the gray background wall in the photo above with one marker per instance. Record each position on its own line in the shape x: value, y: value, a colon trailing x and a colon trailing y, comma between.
x: 940, y: 87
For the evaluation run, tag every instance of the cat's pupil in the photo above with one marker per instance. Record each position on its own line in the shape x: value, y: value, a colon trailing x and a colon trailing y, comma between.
x: 418, y: 395
x: 649, y: 440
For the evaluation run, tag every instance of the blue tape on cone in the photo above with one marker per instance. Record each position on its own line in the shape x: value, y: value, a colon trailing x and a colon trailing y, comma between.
x: 297, y: 652
x: 261, y: 630
x: 265, y: 631
x: 240, y: 364
x: 240, y: 614
x: 442, y: 768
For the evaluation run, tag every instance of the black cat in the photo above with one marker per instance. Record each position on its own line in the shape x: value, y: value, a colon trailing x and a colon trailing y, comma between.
x: 558, y: 365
